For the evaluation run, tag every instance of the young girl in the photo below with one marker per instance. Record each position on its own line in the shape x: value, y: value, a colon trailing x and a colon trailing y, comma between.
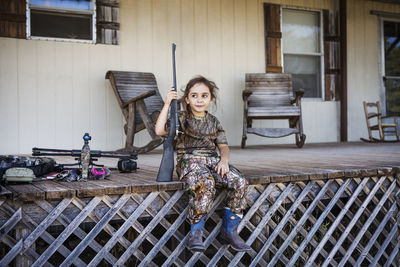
x: 200, y: 166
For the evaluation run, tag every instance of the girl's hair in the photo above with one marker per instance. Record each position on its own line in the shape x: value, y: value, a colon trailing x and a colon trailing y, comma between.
x: 196, y: 80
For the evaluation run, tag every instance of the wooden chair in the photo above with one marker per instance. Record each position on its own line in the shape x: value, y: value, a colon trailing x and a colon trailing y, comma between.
x: 270, y: 96
x: 373, y: 117
x: 140, y: 102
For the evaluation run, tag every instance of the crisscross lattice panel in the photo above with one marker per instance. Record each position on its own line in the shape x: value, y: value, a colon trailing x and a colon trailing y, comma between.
x: 339, y: 222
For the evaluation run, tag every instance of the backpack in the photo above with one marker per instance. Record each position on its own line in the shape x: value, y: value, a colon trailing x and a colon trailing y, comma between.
x: 18, y: 175
x: 38, y: 165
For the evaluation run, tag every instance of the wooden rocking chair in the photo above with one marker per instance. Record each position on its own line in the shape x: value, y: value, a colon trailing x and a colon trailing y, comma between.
x: 270, y: 96
x: 140, y: 101
x: 373, y: 116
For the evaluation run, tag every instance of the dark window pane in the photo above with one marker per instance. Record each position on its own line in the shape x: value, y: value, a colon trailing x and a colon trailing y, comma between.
x: 392, y: 97
x: 392, y: 66
x: 306, y: 73
x: 392, y: 48
x: 61, y: 25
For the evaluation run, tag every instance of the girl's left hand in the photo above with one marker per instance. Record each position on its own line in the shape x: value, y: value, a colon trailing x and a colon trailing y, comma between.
x: 222, y: 168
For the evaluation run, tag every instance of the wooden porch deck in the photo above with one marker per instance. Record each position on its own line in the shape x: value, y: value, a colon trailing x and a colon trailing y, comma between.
x: 260, y: 165
x: 322, y: 205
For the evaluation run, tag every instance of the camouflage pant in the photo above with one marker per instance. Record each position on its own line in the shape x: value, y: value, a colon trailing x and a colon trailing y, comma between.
x: 201, y: 181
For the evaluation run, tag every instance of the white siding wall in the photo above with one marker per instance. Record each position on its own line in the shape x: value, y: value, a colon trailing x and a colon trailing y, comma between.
x: 364, y: 61
x: 52, y: 92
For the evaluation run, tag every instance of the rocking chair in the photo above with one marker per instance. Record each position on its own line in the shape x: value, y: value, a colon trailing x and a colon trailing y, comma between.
x: 373, y: 114
x: 140, y: 102
x: 269, y: 96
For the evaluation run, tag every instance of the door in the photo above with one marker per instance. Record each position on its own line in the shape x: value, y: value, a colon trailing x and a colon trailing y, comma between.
x: 391, y: 66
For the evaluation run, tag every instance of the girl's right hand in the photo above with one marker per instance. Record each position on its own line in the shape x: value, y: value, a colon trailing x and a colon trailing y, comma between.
x: 171, y: 95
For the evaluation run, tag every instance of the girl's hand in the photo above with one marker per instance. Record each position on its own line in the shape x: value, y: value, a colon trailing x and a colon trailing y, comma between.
x: 222, y: 168
x: 171, y: 95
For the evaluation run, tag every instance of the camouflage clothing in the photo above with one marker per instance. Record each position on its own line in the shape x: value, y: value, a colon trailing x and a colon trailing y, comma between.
x: 196, y: 162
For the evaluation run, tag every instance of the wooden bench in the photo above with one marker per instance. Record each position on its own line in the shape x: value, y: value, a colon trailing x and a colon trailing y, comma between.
x: 270, y: 96
x: 140, y: 101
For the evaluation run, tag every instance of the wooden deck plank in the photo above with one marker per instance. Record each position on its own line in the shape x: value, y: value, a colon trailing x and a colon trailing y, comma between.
x: 55, y: 190
x: 259, y: 164
x: 26, y: 192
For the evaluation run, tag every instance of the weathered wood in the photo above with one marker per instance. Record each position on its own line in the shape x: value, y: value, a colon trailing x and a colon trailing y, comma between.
x: 148, y: 228
x: 96, y: 230
x: 15, y: 250
x: 299, y: 228
x: 107, y: 21
x: 384, y: 246
x: 10, y: 224
x: 384, y: 129
x: 55, y: 190
x: 379, y: 230
x: 371, y: 218
x: 273, y: 35
x: 26, y: 192
x: 270, y: 96
x: 140, y: 102
x: 53, y: 215
x: 336, y: 222
x: 67, y: 232
x: 100, y: 255
x: 281, y: 224
x: 353, y: 221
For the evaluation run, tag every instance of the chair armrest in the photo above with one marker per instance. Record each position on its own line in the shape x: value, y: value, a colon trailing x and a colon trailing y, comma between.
x: 246, y: 93
x: 139, y: 97
x: 299, y: 94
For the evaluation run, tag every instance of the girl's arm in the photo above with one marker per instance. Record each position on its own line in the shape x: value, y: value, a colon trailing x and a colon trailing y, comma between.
x: 222, y: 167
x: 163, y: 117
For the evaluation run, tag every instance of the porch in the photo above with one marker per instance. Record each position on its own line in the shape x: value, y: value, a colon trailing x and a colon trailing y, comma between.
x: 325, y: 204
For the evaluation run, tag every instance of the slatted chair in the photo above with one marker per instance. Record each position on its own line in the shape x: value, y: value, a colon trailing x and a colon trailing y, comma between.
x: 374, y: 119
x: 140, y: 102
x: 270, y: 96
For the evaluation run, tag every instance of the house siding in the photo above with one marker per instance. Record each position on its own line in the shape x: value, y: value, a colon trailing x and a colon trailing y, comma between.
x: 52, y: 92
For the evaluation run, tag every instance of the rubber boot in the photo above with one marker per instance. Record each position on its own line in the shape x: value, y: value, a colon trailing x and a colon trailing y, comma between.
x: 229, y: 233
x: 196, y: 237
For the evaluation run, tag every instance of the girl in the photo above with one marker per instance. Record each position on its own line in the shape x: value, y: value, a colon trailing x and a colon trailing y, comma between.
x: 200, y: 166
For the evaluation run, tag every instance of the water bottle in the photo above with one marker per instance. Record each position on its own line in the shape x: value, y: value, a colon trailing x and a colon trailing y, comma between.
x: 85, y: 156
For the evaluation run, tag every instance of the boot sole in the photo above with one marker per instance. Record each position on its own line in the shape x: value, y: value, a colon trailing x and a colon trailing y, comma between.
x: 225, y: 242
x: 197, y: 249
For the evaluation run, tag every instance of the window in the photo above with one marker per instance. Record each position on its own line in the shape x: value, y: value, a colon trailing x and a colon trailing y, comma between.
x: 61, y: 19
x: 391, y: 39
x: 301, y: 48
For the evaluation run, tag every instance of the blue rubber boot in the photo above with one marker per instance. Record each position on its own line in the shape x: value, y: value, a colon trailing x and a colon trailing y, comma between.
x: 196, y: 236
x: 229, y: 233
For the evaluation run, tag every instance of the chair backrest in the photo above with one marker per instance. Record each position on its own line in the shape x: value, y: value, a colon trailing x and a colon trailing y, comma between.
x: 372, y: 109
x: 127, y: 85
x: 269, y: 89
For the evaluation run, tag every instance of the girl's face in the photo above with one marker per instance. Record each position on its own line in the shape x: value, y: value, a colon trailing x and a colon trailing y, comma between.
x: 199, y: 99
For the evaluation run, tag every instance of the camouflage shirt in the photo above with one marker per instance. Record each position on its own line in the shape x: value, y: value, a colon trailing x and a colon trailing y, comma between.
x: 199, y: 135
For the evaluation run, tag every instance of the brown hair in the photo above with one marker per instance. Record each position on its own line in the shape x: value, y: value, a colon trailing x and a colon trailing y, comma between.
x: 196, y: 80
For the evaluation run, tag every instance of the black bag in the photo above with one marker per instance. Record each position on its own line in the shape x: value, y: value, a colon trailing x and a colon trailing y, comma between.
x: 39, y: 165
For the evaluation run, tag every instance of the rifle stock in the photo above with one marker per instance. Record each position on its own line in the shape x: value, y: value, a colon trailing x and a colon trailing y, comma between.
x: 166, y: 170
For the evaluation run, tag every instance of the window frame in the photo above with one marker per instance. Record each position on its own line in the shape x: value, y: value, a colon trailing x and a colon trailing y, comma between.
x: 61, y: 10
x: 320, y: 54
x: 382, y: 20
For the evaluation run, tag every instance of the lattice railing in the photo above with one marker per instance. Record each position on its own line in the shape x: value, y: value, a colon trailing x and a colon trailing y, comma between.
x: 339, y: 222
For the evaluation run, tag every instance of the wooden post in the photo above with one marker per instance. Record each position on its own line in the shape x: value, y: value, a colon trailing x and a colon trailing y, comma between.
x: 397, y: 177
x: 343, y: 69
x: 20, y: 233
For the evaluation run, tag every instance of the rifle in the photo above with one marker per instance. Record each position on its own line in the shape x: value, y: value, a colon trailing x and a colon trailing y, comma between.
x: 93, y: 155
x: 167, y: 163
